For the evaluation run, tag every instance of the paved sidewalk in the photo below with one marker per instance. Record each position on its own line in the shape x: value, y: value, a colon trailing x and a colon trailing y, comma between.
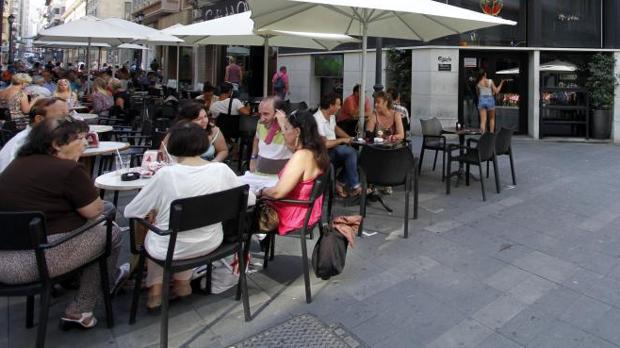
x: 537, y: 265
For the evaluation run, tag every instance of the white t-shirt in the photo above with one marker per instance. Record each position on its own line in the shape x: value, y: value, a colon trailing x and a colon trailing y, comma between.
x: 221, y: 107
x: 182, y: 181
x: 10, y: 149
x: 326, y: 128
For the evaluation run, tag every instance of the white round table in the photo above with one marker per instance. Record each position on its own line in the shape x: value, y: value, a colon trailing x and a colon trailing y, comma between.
x: 97, y: 128
x: 85, y: 117
x: 104, y: 148
x: 112, y: 181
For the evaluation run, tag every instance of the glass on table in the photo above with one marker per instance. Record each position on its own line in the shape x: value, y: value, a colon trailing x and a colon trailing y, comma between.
x: 122, y: 163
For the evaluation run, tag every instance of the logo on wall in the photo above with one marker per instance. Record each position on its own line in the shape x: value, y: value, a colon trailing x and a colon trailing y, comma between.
x: 492, y: 7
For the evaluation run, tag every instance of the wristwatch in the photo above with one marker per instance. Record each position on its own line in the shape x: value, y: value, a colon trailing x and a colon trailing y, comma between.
x: 253, y: 157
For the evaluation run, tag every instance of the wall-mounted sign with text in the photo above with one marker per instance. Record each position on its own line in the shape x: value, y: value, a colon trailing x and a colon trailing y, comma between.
x: 222, y: 8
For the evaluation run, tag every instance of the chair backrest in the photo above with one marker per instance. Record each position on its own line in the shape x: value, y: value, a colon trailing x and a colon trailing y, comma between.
x: 247, y: 126
x: 486, y: 146
x: 431, y: 126
x: 386, y: 166
x: 322, y: 185
x: 19, y: 230
x: 229, y: 125
x: 503, y: 141
x: 5, y: 114
x: 195, y: 212
x: 156, y: 138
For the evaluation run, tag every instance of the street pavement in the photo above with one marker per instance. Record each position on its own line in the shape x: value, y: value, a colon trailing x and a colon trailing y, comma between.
x: 537, y: 265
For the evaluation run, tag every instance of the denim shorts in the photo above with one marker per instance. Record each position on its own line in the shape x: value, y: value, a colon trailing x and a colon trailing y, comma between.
x: 486, y: 102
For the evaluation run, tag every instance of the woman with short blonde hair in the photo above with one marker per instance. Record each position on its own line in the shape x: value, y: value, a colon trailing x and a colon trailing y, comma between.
x: 14, y: 98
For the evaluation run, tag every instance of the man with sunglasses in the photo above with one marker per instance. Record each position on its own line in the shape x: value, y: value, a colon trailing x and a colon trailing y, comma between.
x: 44, y: 108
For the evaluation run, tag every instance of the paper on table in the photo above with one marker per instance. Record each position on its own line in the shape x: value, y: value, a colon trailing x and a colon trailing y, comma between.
x: 257, y: 181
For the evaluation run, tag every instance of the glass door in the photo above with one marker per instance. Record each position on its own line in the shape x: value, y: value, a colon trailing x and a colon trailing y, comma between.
x: 511, y: 101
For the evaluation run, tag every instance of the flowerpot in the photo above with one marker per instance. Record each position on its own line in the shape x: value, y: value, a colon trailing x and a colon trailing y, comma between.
x: 601, y: 124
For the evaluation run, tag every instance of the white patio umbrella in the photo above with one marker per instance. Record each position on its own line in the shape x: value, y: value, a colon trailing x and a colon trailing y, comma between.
x: 403, y: 19
x: 90, y: 29
x: 238, y: 29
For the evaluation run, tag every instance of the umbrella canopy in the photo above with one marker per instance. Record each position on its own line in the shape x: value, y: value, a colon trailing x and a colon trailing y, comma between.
x: 150, y: 35
x: 238, y: 29
x: 67, y: 44
x: 89, y: 28
x: 403, y: 19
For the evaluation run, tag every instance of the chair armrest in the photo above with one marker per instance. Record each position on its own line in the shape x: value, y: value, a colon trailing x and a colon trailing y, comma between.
x: 284, y: 200
x: 154, y: 228
x: 452, y: 147
x: 76, y: 232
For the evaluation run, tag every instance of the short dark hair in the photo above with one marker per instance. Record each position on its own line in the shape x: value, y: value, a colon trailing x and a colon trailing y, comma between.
x: 226, y: 87
x: 40, y: 107
x: 329, y: 100
x: 208, y: 87
x: 187, y: 139
x: 189, y: 111
x: 356, y: 88
x: 383, y: 95
x: 42, y: 137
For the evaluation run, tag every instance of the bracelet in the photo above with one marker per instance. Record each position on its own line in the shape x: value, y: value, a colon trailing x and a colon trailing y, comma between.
x: 254, y: 157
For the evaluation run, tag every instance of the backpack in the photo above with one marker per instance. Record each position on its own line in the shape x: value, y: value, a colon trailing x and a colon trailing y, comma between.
x: 279, y: 84
x: 329, y: 254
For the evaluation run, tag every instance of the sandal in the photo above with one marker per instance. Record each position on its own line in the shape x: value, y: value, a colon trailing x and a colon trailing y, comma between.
x: 340, y: 191
x: 181, y: 291
x: 87, y: 321
x: 153, y: 303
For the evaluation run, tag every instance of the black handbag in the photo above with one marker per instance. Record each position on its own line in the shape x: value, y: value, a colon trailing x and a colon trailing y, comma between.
x: 329, y: 254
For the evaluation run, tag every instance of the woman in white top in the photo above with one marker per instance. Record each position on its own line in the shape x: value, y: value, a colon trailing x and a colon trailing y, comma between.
x: 486, y: 90
x: 190, y: 176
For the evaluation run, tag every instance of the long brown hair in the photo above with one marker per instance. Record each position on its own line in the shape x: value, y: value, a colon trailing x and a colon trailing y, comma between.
x: 310, y: 138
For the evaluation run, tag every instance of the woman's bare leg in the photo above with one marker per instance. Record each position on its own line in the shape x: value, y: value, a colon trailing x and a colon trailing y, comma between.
x: 483, y: 120
x: 492, y: 120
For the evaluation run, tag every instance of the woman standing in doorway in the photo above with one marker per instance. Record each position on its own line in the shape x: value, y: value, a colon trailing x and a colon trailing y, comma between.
x: 487, y: 90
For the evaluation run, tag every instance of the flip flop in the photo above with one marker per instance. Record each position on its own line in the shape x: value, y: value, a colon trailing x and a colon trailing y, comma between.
x: 340, y: 191
x: 69, y: 323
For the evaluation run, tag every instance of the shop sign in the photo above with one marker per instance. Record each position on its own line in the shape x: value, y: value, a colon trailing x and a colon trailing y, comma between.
x: 492, y: 7
x: 470, y: 62
x: 205, y: 10
x: 444, y: 63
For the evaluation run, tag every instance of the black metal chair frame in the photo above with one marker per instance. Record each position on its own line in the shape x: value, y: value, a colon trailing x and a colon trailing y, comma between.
x: 247, y: 130
x: 427, y: 145
x: 26, y: 231
x: 475, y: 161
x: 324, y: 184
x: 188, y: 214
x: 409, y: 179
x: 503, y: 147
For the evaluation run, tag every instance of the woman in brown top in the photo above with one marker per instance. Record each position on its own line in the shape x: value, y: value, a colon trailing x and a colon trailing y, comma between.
x: 385, y: 122
x: 47, y: 177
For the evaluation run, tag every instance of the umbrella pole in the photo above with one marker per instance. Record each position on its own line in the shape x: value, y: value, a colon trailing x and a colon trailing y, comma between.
x: 99, y: 60
x: 266, y: 68
x: 362, y: 101
x: 88, y: 67
x: 178, y: 75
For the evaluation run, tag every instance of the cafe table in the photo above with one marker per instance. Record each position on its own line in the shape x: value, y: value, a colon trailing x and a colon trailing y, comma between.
x: 462, y: 133
x: 105, y: 148
x: 112, y: 182
x: 85, y: 117
x: 96, y: 128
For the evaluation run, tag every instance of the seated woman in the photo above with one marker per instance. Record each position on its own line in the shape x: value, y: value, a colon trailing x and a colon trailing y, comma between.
x: 195, y: 112
x: 385, y: 122
x: 14, y: 98
x: 101, y: 98
x: 64, y: 92
x: 190, y: 176
x: 120, y: 95
x: 310, y: 159
x: 57, y: 185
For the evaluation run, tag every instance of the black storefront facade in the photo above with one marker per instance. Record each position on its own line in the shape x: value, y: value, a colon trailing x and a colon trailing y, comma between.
x: 539, y: 58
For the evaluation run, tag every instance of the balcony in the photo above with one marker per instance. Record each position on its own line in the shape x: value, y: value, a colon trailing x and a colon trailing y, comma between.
x: 153, y: 9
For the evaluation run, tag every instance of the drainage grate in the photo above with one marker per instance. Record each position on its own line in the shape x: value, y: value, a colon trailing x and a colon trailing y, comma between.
x: 304, y: 330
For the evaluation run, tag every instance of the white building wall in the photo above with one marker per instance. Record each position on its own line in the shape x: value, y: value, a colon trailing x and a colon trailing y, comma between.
x: 304, y: 86
x: 533, y: 98
x: 434, y: 93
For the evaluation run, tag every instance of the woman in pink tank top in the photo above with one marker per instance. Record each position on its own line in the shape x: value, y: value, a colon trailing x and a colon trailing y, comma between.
x: 295, y: 181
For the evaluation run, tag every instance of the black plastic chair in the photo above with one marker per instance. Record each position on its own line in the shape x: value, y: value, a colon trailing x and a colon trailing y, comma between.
x: 25, y: 231
x: 247, y: 130
x: 503, y: 147
x: 229, y: 125
x: 483, y: 152
x: 432, y: 139
x: 323, y: 185
x: 383, y: 166
x: 188, y: 214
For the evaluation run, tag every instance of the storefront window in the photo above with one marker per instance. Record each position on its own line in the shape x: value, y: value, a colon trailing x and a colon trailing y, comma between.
x: 570, y: 23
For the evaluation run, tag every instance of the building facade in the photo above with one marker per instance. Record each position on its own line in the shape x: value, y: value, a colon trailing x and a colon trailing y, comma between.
x: 539, y: 58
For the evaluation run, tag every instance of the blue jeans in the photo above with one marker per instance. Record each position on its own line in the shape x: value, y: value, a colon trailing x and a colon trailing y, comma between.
x: 343, y: 155
x: 486, y: 102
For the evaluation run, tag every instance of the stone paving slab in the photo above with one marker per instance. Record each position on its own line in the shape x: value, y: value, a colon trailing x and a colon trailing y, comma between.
x: 537, y: 265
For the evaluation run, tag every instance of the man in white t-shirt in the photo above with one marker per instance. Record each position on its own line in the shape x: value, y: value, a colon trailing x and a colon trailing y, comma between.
x: 225, y: 103
x: 42, y: 109
x: 337, y: 142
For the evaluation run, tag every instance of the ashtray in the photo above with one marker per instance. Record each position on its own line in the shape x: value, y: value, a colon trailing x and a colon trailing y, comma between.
x: 130, y: 176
